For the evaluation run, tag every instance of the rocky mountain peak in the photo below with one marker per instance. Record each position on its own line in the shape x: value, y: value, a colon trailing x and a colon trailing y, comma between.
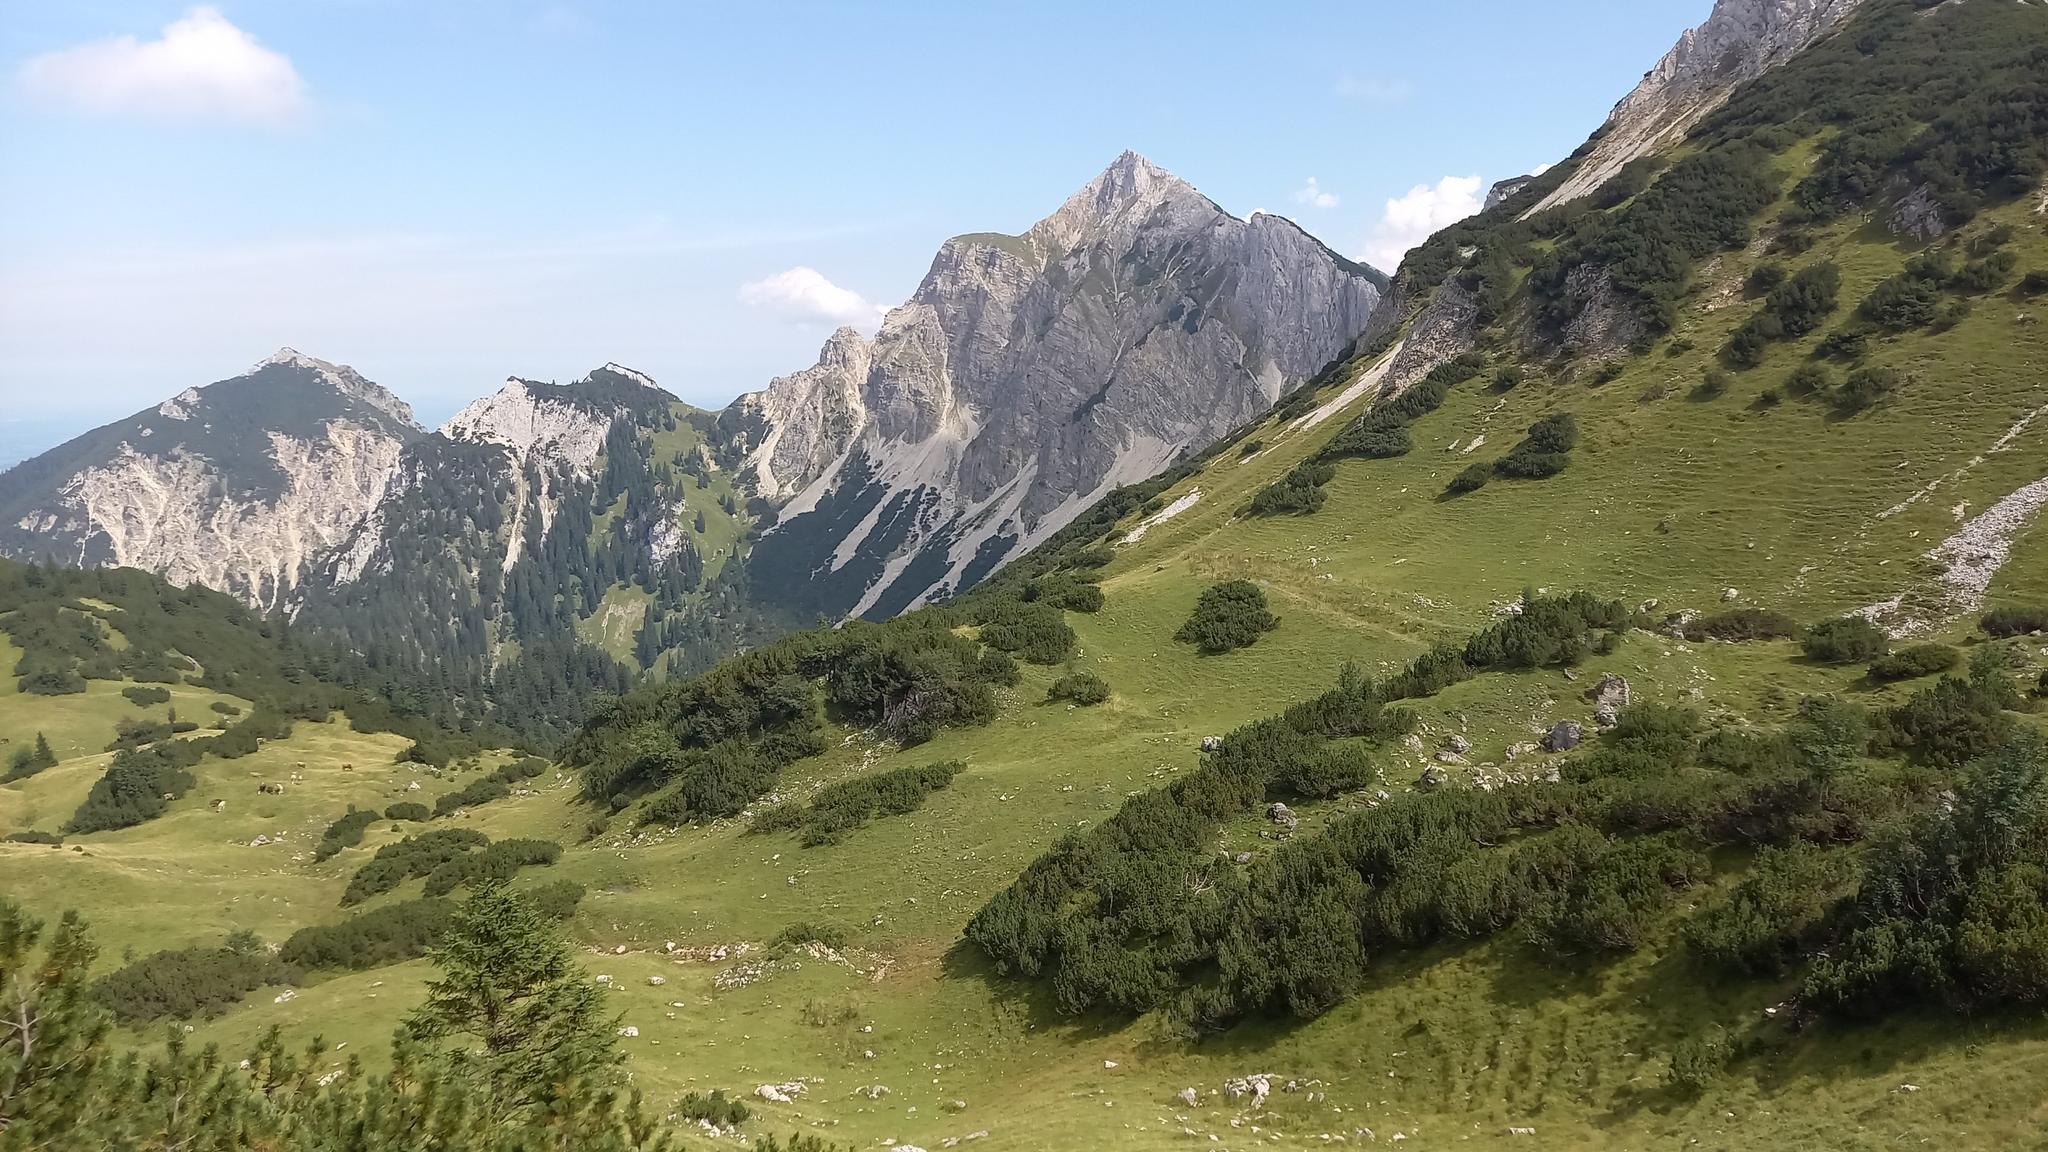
x: 340, y: 377
x: 1130, y: 188
x: 1739, y: 41
x: 1029, y: 374
x: 522, y: 416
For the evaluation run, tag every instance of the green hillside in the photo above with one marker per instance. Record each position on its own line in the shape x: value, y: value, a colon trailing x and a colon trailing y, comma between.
x: 1787, y: 893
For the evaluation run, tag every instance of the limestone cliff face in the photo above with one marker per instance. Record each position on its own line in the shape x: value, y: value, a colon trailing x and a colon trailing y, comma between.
x: 1740, y: 40
x: 237, y: 486
x: 1027, y: 376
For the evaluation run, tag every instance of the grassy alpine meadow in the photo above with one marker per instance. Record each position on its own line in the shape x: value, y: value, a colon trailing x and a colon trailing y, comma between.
x: 737, y: 957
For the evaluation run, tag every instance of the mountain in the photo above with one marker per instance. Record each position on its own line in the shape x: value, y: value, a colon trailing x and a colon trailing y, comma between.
x: 235, y: 485
x: 542, y: 530
x: 1739, y: 41
x: 1512, y: 739
x: 1028, y: 375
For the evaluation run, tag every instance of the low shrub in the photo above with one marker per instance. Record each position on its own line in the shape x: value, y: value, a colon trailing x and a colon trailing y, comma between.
x: 1847, y: 640
x: 394, y: 864
x: 805, y: 932
x: 715, y: 1108
x: 181, y: 983
x: 387, y: 935
x: 1472, y: 479
x: 1913, y: 662
x: 1810, y: 380
x: 840, y: 809
x: 409, y: 810
x: 144, y: 697
x: 346, y: 832
x: 2006, y: 622
x: 1080, y: 688
x: 26, y: 762
x: 1227, y: 616
x: 1740, y: 624
x: 1865, y: 387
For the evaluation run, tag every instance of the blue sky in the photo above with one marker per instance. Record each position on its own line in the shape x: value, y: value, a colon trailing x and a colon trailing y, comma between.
x: 446, y: 192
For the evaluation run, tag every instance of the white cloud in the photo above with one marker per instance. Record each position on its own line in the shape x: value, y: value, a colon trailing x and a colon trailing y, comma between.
x: 201, y: 67
x: 1384, y: 91
x: 1314, y: 194
x: 803, y: 294
x: 1415, y: 217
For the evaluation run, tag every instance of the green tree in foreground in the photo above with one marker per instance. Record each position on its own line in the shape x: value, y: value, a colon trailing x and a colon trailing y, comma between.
x: 510, y: 1053
x: 536, y: 1025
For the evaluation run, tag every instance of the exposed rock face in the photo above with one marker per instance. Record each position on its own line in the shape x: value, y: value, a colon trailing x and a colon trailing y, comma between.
x: 1740, y: 40
x: 1504, y: 190
x: 1918, y: 215
x: 1030, y: 374
x: 237, y: 486
x: 1445, y: 329
x: 528, y: 445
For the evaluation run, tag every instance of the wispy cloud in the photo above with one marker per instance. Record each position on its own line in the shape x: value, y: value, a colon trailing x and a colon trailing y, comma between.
x: 804, y: 294
x: 1315, y: 195
x: 1416, y: 216
x: 1384, y: 91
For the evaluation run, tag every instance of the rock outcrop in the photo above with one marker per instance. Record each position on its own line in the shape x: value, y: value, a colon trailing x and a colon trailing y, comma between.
x: 1740, y: 40
x: 1027, y: 376
x: 238, y: 486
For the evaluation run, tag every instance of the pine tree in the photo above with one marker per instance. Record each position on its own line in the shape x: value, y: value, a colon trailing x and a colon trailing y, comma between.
x: 511, y: 988
x: 43, y: 757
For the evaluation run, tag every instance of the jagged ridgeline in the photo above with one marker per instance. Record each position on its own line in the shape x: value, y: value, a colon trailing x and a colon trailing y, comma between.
x: 544, y: 548
x: 1906, y: 121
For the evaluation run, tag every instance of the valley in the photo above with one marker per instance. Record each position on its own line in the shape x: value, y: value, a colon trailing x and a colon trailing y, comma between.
x: 1585, y: 691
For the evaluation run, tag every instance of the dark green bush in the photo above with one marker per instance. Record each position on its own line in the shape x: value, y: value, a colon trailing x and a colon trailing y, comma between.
x: 394, y: 864
x: 1036, y: 633
x: 1740, y: 624
x: 32, y: 836
x: 1810, y: 380
x: 182, y: 983
x: 144, y: 697
x: 1471, y: 479
x: 1080, y: 688
x: 1847, y: 640
x: 1777, y: 915
x: 409, y: 810
x: 347, y: 832
x: 811, y: 932
x: 1914, y: 661
x: 716, y: 1109
x: 841, y: 809
x: 2022, y: 621
x: 387, y: 935
x: 26, y: 762
x: 1227, y: 616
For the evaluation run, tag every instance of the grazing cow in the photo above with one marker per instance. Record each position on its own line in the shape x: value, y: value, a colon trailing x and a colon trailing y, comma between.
x: 219, y: 805
x: 270, y: 788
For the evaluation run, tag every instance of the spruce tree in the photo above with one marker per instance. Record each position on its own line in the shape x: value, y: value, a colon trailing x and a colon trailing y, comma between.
x: 511, y: 991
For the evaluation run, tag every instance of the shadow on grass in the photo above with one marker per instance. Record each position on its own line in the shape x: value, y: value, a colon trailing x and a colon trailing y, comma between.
x: 1029, y: 999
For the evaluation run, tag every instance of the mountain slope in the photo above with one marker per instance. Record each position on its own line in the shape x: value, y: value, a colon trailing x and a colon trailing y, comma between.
x: 1739, y: 41
x: 1390, y: 973
x: 558, y: 537
x: 1028, y: 375
x: 236, y: 485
